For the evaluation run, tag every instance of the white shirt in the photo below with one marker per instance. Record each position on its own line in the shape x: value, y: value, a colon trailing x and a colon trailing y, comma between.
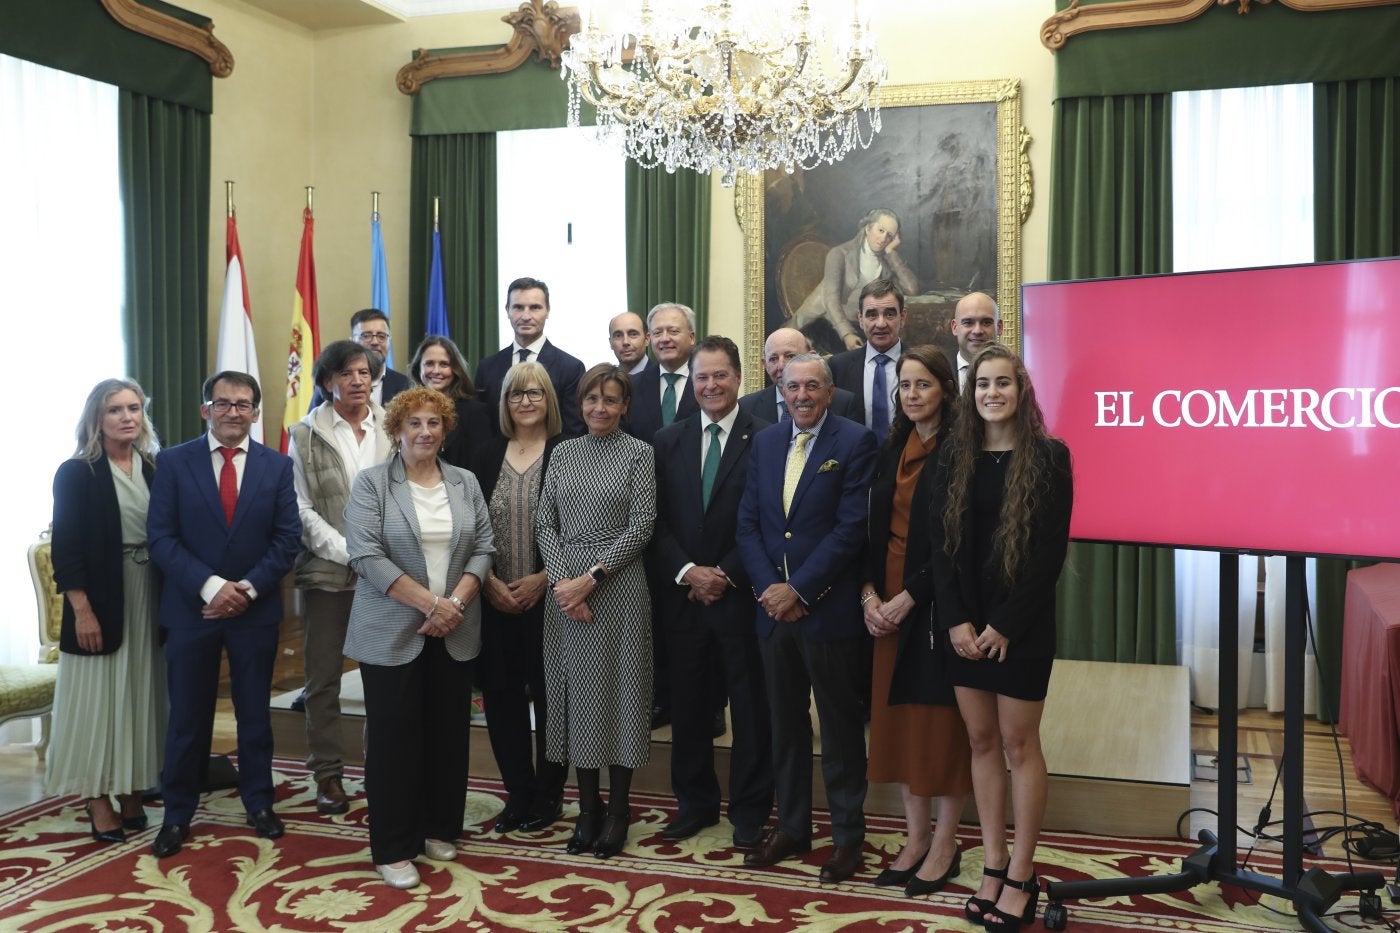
x: 963, y: 366
x: 211, y: 586
x: 534, y: 349
x: 638, y: 366
x: 684, y: 373
x: 891, y: 380
x: 434, y: 531
x: 726, y: 426
x: 318, y: 535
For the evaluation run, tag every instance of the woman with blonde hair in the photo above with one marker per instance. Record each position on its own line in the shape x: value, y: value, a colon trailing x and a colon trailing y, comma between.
x: 110, y: 703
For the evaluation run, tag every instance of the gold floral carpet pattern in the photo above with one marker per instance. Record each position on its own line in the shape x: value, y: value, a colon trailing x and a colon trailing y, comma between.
x: 318, y: 878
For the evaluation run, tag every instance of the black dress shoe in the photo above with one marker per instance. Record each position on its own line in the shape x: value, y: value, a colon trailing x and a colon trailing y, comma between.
x: 543, y: 815
x: 299, y: 702
x: 586, y: 830
x: 686, y: 826
x: 917, y: 886
x: 266, y: 824
x: 612, y: 838
x: 747, y: 838
x: 510, y: 820
x: 170, y: 838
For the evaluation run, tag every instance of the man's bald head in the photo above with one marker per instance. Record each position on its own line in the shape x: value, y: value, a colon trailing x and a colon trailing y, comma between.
x: 780, y: 347
x: 976, y: 323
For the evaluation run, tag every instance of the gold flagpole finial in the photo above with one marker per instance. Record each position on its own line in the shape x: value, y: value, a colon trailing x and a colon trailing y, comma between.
x: 436, y: 204
x: 228, y: 197
x: 375, y: 209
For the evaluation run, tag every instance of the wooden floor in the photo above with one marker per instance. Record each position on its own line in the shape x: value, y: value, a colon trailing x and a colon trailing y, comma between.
x: 1260, y: 744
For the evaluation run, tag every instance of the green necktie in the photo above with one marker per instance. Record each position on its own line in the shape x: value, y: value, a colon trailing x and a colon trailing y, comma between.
x: 668, y: 398
x: 711, y: 468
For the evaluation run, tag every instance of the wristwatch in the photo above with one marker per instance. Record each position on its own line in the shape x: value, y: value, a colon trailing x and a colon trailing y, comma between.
x: 456, y: 601
x: 598, y: 574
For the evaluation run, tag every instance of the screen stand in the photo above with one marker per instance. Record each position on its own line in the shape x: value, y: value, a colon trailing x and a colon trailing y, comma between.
x: 1312, y: 892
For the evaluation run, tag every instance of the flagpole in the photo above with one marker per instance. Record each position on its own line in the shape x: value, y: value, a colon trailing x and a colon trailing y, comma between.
x: 436, y: 203
x: 228, y: 197
x: 374, y: 209
x: 309, y: 189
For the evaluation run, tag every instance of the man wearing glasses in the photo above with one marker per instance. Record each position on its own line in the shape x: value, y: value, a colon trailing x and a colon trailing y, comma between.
x: 224, y: 530
x: 370, y: 329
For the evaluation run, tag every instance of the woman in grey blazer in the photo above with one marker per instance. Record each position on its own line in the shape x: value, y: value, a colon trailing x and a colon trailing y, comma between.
x: 419, y: 538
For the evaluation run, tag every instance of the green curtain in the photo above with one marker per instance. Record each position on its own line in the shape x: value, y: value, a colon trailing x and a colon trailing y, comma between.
x: 668, y: 240
x: 1356, y: 215
x: 460, y: 169
x: 164, y: 166
x: 1110, y: 214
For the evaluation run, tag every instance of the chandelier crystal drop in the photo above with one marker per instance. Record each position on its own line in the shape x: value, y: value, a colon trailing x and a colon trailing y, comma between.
x: 710, y: 90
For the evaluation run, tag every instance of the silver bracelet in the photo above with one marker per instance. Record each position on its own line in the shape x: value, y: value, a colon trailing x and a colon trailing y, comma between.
x: 866, y: 598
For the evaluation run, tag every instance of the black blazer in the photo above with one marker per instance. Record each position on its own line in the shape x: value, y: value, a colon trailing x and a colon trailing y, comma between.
x: 473, y: 430
x: 87, y: 547
x: 564, y: 371
x: 763, y: 404
x: 485, y: 461
x: 644, y: 414
x: 688, y: 533
x: 392, y: 384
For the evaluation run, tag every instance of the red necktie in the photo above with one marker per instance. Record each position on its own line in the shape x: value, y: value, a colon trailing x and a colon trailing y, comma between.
x: 228, y: 483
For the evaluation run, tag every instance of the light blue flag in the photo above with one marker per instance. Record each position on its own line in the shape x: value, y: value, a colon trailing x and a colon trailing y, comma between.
x: 379, y: 278
x: 437, y: 298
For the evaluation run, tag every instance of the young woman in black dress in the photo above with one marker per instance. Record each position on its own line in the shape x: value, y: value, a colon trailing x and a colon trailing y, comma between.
x: 1000, y: 517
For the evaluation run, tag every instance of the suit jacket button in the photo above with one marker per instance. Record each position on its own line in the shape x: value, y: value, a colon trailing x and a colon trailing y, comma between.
x: 787, y: 534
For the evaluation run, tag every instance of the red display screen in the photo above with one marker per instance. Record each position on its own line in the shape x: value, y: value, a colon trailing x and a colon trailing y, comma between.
x: 1254, y: 410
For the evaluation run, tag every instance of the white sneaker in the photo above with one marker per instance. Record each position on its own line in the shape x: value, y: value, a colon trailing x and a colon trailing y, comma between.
x: 439, y: 851
x: 404, y: 876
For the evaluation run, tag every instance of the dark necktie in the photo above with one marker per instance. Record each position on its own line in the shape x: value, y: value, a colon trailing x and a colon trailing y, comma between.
x: 880, y: 399
x: 668, y: 398
x: 782, y: 410
x: 228, y: 483
x: 524, y: 355
x: 711, y: 468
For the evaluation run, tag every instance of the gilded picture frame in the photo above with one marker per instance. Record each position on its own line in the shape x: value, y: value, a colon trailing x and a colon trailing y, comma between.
x: 943, y: 152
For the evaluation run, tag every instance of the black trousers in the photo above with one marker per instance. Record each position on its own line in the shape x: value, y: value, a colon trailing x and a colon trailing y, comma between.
x: 416, y: 721
x: 799, y: 669
x: 702, y: 655
x: 510, y: 673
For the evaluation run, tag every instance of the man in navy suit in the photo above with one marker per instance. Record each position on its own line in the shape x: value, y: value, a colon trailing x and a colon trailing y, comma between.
x: 801, y: 530
x: 223, y: 529
x: 768, y: 403
x: 661, y: 392
x: 868, y: 372
x: 976, y: 324
x: 527, y: 306
x: 706, y: 605
x: 369, y: 327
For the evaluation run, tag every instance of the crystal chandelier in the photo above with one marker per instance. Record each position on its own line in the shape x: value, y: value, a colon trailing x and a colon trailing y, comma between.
x: 711, y: 90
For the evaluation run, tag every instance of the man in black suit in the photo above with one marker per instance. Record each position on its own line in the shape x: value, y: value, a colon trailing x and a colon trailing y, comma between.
x: 976, y: 324
x: 868, y: 372
x: 701, y: 466
x: 369, y: 327
x: 780, y: 347
x: 661, y: 392
x: 527, y: 306
x: 627, y: 335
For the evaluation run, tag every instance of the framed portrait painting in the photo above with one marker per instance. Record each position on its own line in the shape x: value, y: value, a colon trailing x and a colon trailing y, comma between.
x: 936, y: 203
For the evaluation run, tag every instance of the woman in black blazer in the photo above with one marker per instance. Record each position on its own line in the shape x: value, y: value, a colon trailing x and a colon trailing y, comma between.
x: 510, y: 469
x: 110, y: 703
x: 438, y: 364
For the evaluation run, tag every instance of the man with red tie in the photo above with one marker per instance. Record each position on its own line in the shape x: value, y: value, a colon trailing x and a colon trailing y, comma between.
x: 223, y: 528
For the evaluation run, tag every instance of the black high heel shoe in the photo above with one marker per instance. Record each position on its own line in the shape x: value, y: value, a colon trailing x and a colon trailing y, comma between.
x: 999, y: 921
x: 613, y: 837
x: 103, y: 835
x: 916, y: 887
x: 134, y: 823
x: 984, y: 904
x: 890, y: 877
x: 586, y: 830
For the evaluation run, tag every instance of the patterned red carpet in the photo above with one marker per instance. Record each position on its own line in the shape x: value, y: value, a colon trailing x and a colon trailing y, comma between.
x: 318, y: 878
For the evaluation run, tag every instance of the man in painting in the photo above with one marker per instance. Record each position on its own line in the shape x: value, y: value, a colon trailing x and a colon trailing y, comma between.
x: 873, y: 254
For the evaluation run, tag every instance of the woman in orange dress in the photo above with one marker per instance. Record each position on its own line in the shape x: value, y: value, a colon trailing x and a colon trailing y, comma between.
x: 917, y: 737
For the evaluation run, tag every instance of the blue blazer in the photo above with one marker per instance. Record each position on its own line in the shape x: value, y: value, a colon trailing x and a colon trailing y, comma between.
x: 817, y: 548
x: 564, y: 371
x: 191, y: 541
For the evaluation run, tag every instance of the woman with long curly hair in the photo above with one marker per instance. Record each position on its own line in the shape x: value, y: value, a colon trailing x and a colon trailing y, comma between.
x: 1000, y: 518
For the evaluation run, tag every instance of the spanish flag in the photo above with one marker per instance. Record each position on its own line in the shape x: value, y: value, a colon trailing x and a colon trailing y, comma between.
x: 306, y: 334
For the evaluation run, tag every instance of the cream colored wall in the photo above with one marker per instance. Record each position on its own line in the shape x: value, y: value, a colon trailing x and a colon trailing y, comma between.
x: 321, y: 108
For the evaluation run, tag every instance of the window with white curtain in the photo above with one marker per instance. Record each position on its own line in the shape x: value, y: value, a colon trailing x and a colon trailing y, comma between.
x: 61, y: 260
x: 1242, y: 180
x: 569, y: 233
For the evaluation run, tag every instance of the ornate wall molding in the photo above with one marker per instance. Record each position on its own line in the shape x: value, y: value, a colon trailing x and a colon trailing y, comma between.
x: 541, y: 27
x: 1076, y: 19
x: 172, y: 31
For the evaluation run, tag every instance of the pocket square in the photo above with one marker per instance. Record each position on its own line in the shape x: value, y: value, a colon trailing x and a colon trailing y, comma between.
x: 830, y: 466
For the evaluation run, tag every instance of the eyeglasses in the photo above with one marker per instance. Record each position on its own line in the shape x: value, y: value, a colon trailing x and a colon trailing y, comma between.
x: 516, y: 395
x: 222, y: 406
x: 367, y: 336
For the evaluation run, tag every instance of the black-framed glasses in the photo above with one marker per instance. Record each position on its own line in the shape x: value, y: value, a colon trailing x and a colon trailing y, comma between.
x: 516, y: 395
x: 222, y: 406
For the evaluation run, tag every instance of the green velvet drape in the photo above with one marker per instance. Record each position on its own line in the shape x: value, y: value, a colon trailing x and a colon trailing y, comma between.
x: 164, y: 166
x: 1356, y: 215
x: 1110, y: 214
x: 668, y: 240
x: 461, y: 170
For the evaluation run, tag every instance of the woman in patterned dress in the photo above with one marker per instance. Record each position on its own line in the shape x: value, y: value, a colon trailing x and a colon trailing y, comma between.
x: 110, y: 704
x: 596, y: 512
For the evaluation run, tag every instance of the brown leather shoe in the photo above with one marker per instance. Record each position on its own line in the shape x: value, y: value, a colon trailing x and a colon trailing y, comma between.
x: 330, y: 796
x: 845, y: 861
x: 775, y: 847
